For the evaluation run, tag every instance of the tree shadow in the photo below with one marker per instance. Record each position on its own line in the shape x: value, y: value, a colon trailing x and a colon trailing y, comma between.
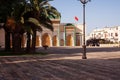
x: 72, y: 50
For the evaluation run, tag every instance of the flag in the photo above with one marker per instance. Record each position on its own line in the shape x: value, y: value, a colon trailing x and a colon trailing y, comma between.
x: 76, y: 18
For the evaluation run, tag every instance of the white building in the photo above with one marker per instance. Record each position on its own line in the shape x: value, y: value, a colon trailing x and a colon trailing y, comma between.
x: 107, y: 33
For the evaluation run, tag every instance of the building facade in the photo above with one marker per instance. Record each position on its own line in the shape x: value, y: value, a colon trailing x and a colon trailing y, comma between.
x: 107, y: 33
x: 64, y: 34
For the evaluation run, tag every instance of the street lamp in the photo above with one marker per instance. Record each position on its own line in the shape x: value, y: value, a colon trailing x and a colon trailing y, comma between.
x: 84, y: 45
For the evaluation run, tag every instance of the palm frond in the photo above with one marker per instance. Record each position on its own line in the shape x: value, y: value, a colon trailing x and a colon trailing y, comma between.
x: 27, y: 27
x: 33, y: 24
x: 43, y: 3
x: 46, y: 22
x: 50, y: 12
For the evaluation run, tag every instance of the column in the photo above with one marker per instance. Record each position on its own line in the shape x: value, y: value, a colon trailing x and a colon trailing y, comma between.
x: 64, y: 36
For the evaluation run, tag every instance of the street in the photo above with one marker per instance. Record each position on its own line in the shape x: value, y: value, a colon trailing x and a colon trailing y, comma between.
x: 72, y: 50
x: 63, y: 63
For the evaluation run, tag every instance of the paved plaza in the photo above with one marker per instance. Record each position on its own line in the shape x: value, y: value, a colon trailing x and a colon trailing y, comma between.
x: 63, y: 63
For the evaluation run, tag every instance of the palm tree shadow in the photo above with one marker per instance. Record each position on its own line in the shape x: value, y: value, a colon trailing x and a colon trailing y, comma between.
x: 70, y: 50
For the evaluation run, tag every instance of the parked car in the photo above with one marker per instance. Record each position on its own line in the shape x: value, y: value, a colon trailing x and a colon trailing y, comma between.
x: 93, y: 42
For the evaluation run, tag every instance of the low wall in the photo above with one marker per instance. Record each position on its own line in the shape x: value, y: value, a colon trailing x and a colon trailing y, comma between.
x: 109, y: 45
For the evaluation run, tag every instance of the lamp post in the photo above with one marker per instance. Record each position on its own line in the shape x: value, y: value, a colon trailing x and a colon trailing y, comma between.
x: 84, y: 45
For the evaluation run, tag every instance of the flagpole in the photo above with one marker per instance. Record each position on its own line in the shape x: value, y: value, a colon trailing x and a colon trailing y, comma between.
x: 77, y: 19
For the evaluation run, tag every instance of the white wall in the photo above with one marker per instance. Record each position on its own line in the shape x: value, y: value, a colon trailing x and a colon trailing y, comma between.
x: 2, y: 38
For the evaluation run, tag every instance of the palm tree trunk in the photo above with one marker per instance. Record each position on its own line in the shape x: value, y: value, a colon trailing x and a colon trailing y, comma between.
x: 28, y: 42
x: 34, y: 41
x: 7, y: 41
x: 16, y: 42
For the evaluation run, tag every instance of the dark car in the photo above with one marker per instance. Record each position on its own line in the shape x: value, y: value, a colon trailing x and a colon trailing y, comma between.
x: 93, y: 42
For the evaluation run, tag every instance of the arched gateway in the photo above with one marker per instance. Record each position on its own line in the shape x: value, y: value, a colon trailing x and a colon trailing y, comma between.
x: 45, y: 39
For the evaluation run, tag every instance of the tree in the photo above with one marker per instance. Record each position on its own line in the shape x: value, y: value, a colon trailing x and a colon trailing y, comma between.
x: 20, y: 16
x: 10, y: 15
x: 39, y: 15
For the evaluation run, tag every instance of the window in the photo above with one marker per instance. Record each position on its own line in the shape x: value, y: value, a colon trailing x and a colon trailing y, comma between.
x: 111, y: 34
x: 116, y: 34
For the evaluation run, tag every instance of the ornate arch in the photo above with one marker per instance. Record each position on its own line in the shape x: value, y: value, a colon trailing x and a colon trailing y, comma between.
x: 69, y: 40
x: 55, y: 40
x: 45, y: 39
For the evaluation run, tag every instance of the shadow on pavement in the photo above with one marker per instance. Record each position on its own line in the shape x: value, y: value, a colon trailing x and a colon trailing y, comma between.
x: 72, y: 50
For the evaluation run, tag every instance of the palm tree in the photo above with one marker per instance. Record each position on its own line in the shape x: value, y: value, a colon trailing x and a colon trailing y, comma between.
x: 39, y: 16
x: 5, y: 10
x: 32, y: 13
x: 10, y: 14
x: 17, y: 27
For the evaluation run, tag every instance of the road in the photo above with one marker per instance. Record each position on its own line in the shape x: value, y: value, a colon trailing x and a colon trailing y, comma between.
x: 90, y: 51
x: 73, y: 50
x: 63, y: 63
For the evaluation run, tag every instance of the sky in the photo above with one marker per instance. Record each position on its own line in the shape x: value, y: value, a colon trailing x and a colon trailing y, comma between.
x: 99, y: 13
